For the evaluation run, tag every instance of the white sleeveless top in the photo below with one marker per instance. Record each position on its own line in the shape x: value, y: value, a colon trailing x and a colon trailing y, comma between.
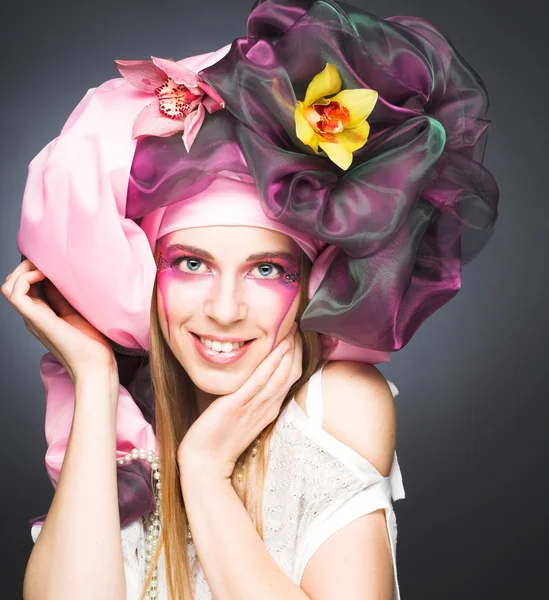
x: 314, y: 486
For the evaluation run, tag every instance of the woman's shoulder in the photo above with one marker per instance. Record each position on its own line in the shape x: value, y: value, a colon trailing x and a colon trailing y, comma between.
x: 351, y: 377
x: 343, y: 377
x: 358, y: 409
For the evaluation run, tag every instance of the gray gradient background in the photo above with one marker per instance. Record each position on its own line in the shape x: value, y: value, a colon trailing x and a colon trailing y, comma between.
x: 473, y: 380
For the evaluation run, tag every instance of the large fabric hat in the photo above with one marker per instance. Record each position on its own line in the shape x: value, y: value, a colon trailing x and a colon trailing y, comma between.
x: 362, y: 138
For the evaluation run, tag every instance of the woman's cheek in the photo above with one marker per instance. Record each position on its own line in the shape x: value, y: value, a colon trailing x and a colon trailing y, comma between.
x: 277, y: 296
x: 175, y: 285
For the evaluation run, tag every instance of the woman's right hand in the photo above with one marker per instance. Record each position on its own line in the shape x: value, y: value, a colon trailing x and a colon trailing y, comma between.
x: 74, y: 342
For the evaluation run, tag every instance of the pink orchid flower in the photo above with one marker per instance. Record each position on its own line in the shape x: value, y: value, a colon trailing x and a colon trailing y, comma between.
x: 182, y: 97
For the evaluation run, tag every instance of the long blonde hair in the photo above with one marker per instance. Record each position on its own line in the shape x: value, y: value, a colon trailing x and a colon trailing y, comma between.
x: 175, y: 411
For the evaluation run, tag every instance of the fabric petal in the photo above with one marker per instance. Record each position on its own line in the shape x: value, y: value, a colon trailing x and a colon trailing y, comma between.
x: 327, y: 82
x: 303, y: 130
x: 176, y: 71
x: 150, y: 121
x: 359, y: 103
x: 142, y: 74
x: 193, y: 122
x: 353, y: 139
x: 337, y: 153
x: 212, y: 100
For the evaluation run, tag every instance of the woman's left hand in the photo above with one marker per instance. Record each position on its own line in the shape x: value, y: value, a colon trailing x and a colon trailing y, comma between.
x: 232, y: 422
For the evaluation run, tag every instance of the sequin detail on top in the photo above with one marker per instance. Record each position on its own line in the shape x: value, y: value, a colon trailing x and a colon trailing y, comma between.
x: 303, y: 482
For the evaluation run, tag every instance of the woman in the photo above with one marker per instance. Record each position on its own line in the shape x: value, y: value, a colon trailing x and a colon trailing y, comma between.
x: 261, y: 310
x: 270, y: 160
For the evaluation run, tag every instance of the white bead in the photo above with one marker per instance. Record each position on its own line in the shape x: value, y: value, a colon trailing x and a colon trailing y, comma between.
x: 142, y: 454
x: 156, y: 475
x: 135, y: 453
x: 149, y: 458
x: 158, y: 485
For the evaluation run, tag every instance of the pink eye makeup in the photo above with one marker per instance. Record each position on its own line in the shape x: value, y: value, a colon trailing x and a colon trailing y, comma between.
x: 162, y: 264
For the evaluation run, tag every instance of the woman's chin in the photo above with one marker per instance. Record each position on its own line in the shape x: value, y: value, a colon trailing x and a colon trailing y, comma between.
x: 218, y: 383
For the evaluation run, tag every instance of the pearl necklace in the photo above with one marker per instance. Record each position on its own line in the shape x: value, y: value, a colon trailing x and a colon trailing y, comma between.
x: 153, y: 521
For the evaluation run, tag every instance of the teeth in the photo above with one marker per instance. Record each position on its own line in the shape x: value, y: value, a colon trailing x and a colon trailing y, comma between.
x: 219, y: 346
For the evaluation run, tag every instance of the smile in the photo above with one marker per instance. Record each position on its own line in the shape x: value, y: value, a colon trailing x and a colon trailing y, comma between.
x: 219, y: 356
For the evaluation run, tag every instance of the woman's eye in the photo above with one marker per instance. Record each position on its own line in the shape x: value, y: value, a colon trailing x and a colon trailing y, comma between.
x: 193, y: 264
x: 266, y: 270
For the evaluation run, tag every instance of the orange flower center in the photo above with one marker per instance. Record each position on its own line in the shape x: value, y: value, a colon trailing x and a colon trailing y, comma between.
x: 175, y: 99
x: 331, y: 119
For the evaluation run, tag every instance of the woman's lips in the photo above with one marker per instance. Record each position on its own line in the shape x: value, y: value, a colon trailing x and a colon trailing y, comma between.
x: 221, y: 358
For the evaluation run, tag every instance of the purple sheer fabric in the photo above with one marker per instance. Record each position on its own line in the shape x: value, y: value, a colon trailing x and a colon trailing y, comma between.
x: 416, y: 203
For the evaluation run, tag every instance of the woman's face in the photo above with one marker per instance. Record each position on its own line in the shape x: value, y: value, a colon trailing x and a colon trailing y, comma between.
x: 230, y: 282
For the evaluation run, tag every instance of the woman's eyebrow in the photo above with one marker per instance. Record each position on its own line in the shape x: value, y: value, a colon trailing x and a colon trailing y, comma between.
x: 257, y: 256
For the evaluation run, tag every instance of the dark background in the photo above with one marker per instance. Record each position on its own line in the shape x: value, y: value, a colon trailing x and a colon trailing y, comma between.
x: 473, y: 381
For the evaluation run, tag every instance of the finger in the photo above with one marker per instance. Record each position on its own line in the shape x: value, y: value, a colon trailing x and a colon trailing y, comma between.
x: 19, y: 298
x: 260, y: 377
x: 276, y: 388
x: 39, y: 319
x: 22, y: 267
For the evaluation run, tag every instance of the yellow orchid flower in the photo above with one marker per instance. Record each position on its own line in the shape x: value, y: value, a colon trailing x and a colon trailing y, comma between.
x: 338, y: 124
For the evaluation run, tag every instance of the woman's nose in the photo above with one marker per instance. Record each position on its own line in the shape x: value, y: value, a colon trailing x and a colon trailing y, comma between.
x: 226, y: 302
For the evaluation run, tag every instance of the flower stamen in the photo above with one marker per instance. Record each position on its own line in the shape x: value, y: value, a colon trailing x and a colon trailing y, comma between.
x: 175, y: 100
x: 333, y: 117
